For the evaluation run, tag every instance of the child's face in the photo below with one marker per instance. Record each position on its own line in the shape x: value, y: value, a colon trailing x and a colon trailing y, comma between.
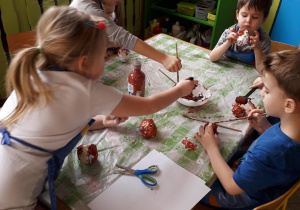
x: 250, y: 19
x: 273, y: 96
x: 95, y: 65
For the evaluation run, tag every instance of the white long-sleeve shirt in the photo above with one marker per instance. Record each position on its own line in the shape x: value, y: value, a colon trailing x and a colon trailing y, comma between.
x: 116, y: 34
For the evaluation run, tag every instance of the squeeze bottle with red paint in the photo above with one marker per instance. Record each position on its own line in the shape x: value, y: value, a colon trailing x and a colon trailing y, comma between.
x: 136, y: 80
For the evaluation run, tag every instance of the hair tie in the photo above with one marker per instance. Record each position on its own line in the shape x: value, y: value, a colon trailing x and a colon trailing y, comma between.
x: 40, y: 49
x: 99, y: 25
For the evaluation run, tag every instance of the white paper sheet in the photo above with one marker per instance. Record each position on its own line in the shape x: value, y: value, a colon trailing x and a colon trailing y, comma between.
x: 176, y: 188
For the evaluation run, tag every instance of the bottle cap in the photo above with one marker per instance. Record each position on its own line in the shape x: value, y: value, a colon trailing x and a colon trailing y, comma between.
x: 137, y: 65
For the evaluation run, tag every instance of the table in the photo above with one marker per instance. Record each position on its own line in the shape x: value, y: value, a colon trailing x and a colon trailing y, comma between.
x: 79, y: 184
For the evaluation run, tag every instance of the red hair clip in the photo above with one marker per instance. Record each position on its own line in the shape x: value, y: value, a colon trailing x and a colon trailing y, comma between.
x: 99, y: 25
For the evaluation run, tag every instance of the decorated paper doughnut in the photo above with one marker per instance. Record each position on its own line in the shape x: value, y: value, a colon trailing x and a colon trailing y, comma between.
x: 123, y: 54
x: 243, y: 38
x: 148, y: 128
x: 238, y: 111
x: 87, y: 154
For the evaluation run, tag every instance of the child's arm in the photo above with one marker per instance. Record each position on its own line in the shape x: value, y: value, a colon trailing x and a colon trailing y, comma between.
x: 218, y: 52
x: 136, y: 106
x: 256, y: 45
x: 102, y: 121
x: 171, y: 63
x: 225, y: 174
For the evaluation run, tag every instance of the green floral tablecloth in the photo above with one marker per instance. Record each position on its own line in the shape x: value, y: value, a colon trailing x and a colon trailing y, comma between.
x: 79, y: 184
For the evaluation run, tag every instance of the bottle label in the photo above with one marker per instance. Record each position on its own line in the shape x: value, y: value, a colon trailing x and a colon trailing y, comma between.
x: 130, y: 89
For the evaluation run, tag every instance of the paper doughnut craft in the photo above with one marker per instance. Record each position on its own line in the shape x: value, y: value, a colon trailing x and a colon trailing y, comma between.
x: 243, y: 38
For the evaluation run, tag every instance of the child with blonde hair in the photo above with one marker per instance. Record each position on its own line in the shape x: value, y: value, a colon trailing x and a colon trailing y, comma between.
x: 271, y: 165
x: 54, y: 96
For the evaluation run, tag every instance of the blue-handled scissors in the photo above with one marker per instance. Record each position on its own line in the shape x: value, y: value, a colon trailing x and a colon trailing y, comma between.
x: 146, y: 179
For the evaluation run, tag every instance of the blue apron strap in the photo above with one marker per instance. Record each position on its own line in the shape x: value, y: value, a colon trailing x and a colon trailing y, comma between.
x: 54, y: 163
x: 101, y: 6
x: 6, y: 140
x: 51, y: 183
x: 5, y: 137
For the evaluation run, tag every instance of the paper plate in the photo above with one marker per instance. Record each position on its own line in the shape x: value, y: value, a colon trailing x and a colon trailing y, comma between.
x: 200, y: 89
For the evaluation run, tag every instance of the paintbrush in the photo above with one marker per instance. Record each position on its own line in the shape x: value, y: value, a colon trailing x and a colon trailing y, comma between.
x: 205, y: 121
x: 234, y: 119
x: 177, y: 57
x: 167, y: 76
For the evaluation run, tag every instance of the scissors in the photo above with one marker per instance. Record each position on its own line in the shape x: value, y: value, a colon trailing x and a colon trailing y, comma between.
x: 146, y: 179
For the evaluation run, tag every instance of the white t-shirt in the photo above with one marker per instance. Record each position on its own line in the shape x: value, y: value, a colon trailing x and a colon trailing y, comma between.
x: 76, y: 100
x: 116, y: 34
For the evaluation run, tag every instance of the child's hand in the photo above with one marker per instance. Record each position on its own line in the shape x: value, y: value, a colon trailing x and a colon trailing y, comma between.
x: 256, y: 121
x: 232, y: 37
x: 186, y: 86
x: 172, y: 63
x: 207, y: 138
x: 255, y: 41
x: 257, y: 83
x: 109, y: 121
x: 102, y: 121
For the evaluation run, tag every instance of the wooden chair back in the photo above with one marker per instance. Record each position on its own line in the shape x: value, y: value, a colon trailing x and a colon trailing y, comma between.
x: 279, y: 46
x: 282, y: 201
x: 19, y: 41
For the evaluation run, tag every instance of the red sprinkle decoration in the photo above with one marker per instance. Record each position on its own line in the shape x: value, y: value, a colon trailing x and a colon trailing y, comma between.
x: 101, y: 25
x: 189, y: 145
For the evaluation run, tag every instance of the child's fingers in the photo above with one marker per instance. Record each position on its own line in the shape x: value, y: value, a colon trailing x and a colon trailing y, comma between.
x: 209, y: 129
x: 201, y: 130
x: 246, y: 108
x: 232, y: 29
x: 251, y: 104
x: 123, y: 119
x: 254, y: 111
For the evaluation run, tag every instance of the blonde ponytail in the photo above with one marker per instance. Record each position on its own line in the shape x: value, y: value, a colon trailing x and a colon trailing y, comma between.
x: 22, y: 76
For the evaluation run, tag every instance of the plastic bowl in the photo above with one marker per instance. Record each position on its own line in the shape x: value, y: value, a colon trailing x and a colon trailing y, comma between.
x: 196, y: 92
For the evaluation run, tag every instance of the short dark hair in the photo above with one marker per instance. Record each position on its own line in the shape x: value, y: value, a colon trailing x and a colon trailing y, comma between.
x: 284, y: 66
x: 258, y: 5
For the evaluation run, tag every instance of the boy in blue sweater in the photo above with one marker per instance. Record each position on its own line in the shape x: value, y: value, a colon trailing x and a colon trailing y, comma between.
x: 272, y: 164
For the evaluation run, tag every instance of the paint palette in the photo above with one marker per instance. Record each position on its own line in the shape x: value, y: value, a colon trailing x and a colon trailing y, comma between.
x: 200, y: 90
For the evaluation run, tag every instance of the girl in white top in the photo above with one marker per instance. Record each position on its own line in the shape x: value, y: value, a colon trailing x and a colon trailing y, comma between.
x: 119, y: 36
x: 54, y: 94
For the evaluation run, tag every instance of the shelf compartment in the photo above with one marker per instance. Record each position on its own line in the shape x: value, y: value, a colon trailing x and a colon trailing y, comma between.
x: 205, y: 22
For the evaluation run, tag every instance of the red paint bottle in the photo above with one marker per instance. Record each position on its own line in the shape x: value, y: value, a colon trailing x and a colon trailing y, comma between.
x: 136, y: 80
x: 157, y: 29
